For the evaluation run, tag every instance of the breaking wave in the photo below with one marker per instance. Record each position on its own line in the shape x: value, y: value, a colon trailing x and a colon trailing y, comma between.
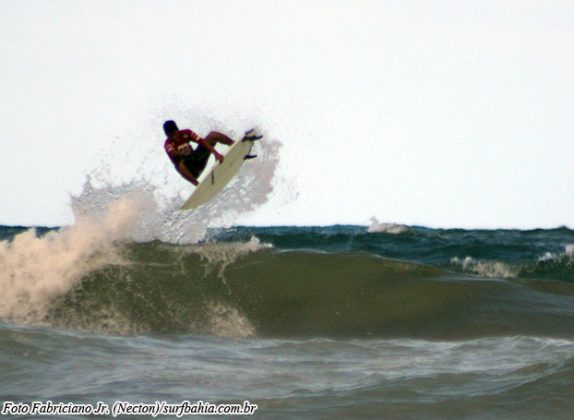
x: 391, y: 228
x: 40, y: 267
x: 247, y: 289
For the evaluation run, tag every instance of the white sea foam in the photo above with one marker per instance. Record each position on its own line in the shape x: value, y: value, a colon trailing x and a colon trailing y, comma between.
x: 565, y: 257
x: 391, y: 228
x: 490, y: 269
x: 160, y: 216
x: 503, y: 357
x: 227, y: 321
x: 35, y: 270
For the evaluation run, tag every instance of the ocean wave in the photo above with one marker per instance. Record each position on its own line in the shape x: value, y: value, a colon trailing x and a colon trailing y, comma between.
x: 40, y: 266
x: 489, y: 269
x: 252, y: 290
x: 35, y: 269
x: 390, y: 228
x: 550, y: 266
x: 567, y: 256
x: 554, y: 265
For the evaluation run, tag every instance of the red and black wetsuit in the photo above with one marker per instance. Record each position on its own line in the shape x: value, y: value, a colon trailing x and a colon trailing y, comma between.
x: 196, y: 160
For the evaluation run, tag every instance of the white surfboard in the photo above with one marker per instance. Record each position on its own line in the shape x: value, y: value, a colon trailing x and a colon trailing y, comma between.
x: 221, y: 173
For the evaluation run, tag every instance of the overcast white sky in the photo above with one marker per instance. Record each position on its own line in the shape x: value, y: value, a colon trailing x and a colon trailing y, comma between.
x: 441, y: 113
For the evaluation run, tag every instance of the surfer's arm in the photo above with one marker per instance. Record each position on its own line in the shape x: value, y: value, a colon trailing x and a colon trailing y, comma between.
x: 218, y: 156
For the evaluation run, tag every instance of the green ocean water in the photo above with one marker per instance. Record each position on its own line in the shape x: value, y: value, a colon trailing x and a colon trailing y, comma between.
x: 307, y: 322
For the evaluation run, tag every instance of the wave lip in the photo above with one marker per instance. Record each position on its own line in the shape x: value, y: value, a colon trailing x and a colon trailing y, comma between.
x: 35, y: 270
x: 390, y: 228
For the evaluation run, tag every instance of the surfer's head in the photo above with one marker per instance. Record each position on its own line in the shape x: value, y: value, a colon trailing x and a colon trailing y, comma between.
x: 169, y: 128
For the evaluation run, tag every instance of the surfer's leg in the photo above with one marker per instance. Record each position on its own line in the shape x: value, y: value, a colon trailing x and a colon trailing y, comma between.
x: 215, y: 137
x: 186, y: 173
x: 197, y: 161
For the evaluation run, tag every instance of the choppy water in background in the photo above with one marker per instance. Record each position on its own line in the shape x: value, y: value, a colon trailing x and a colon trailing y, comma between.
x: 321, y: 322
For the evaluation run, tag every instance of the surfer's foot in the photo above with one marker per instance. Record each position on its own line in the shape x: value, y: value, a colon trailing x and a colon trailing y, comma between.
x: 252, y: 135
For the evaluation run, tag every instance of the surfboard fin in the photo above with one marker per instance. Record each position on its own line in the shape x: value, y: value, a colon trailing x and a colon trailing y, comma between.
x: 251, y: 135
x: 251, y: 138
x: 247, y: 157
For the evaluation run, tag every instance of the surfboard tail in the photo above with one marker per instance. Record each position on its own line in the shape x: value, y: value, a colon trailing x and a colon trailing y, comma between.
x: 221, y: 174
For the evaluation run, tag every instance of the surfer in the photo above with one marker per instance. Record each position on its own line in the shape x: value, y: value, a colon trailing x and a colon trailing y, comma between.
x: 190, y: 162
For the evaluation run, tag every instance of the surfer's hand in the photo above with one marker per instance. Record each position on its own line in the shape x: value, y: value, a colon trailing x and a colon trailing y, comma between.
x: 219, y: 157
x: 195, y: 182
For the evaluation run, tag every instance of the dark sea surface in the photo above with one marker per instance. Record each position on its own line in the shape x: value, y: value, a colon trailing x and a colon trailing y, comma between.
x: 385, y: 321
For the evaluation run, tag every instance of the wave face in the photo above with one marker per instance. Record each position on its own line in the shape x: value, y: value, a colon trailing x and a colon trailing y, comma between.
x: 338, y: 281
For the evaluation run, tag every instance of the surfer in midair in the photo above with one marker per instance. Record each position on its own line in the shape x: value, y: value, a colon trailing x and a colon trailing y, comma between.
x: 190, y: 162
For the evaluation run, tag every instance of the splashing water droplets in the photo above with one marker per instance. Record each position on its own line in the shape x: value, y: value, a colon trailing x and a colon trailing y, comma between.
x: 36, y: 270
